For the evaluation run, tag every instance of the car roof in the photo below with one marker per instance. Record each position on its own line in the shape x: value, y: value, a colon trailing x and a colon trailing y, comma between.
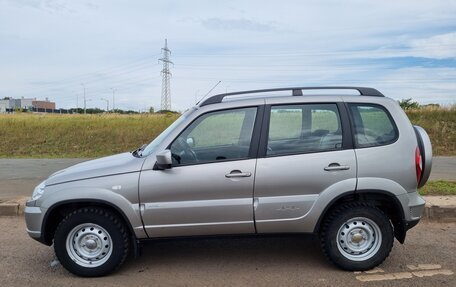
x: 293, y: 92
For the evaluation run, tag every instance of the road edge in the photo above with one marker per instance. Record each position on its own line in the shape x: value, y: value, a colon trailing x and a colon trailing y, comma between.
x: 13, y: 207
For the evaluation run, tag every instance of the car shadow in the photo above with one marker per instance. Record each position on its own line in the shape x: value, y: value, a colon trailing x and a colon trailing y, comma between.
x: 250, y: 251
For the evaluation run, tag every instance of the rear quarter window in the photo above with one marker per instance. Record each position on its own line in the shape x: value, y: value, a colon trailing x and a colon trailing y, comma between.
x: 372, y: 125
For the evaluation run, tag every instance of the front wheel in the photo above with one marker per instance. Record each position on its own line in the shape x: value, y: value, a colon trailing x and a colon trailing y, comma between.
x: 91, y: 242
x: 357, y: 236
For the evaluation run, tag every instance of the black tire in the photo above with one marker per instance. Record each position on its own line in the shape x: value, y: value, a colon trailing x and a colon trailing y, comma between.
x: 336, y: 221
x: 111, y: 223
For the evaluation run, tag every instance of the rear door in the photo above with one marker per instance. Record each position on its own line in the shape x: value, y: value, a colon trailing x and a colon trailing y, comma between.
x: 306, y: 150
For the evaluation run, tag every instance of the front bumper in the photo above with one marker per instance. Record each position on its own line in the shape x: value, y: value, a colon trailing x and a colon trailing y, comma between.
x: 33, y: 220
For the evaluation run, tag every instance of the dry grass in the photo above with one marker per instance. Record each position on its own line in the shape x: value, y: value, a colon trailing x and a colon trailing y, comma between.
x: 440, y: 124
x: 47, y: 136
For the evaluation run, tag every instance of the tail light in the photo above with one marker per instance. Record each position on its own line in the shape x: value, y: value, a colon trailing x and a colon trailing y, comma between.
x: 418, y: 165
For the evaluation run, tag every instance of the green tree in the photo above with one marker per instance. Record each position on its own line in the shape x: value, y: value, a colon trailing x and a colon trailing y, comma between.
x: 408, y: 104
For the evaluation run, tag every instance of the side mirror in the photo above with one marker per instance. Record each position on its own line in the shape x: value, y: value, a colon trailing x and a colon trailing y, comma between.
x: 191, y: 142
x: 164, y: 160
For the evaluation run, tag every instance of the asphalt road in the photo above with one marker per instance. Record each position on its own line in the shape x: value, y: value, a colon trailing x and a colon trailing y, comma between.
x: 426, y: 259
x: 443, y: 167
x: 18, y: 177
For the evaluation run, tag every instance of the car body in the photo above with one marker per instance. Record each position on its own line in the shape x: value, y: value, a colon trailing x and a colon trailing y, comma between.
x: 248, y: 165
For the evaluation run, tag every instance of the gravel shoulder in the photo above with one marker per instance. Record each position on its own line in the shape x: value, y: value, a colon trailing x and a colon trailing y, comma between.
x: 262, y: 261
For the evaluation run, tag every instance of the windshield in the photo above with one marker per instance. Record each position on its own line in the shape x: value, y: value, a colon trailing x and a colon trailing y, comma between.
x: 158, y: 140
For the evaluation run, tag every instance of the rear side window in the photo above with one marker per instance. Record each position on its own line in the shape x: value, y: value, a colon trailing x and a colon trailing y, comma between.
x: 295, y: 129
x: 373, y: 126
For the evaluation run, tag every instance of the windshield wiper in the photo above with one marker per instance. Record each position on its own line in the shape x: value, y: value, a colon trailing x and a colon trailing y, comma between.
x: 137, y: 152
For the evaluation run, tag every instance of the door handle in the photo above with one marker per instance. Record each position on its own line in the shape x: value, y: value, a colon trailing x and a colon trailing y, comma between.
x: 237, y: 173
x: 336, y: 166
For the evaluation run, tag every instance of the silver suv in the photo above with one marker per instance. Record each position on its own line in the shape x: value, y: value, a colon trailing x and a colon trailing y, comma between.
x: 344, y: 167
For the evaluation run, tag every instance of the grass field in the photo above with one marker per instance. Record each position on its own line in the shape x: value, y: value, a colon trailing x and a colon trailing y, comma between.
x: 439, y: 187
x: 440, y: 125
x: 57, y: 136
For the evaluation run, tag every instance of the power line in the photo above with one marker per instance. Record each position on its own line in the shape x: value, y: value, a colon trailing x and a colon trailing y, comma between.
x: 95, y: 78
x: 312, y: 53
x: 99, y: 88
x: 134, y: 65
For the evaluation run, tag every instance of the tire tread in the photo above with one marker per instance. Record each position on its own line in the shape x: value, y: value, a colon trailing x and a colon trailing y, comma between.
x: 108, y: 215
x: 325, y: 230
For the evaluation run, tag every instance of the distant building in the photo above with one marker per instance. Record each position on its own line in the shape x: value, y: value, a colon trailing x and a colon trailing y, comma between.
x: 48, y: 105
x: 31, y: 104
x: 24, y: 103
x: 3, y: 106
x: 7, y: 104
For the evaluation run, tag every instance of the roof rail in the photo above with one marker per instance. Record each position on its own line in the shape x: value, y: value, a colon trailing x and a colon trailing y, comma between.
x: 363, y: 91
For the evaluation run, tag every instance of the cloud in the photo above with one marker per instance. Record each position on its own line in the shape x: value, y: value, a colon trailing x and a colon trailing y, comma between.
x: 45, y: 5
x: 422, y: 84
x: 438, y: 46
x: 236, y: 24
x: 27, y: 3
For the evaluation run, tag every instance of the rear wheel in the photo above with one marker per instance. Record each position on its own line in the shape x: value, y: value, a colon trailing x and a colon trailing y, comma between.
x: 91, y: 242
x: 357, y: 236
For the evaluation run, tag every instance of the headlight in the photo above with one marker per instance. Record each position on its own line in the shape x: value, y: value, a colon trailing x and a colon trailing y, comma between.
x: 38, y: 191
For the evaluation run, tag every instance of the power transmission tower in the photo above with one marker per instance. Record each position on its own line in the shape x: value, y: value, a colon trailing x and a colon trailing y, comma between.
x: 166, y: 75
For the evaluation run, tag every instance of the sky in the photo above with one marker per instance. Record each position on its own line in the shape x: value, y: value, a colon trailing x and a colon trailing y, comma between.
x: 54, y: 48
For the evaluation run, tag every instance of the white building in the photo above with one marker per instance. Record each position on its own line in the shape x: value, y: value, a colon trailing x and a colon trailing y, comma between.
x: 13, y: 104
x: 24, y: 103
x: 7, y: 104
x: 3, y: 106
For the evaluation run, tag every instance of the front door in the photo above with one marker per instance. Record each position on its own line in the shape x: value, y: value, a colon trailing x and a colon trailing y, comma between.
x: 209, y: 189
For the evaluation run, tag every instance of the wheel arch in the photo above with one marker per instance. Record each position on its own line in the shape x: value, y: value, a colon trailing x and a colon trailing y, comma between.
x: 58, y: 211
x: 386, y: 201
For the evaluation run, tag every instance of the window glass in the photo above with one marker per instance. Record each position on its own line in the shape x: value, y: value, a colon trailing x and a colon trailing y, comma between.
x: 158, y: 140
x: 325, y: 120
x: 285, y: 123
x: 372, y: 125
x: 304, y: 128
x: 223, y: 135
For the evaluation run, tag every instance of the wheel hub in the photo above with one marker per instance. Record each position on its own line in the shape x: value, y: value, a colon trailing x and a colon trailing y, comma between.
x: 359, y: 239
x: 89, y: 245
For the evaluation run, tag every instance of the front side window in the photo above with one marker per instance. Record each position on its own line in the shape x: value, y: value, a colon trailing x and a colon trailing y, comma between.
x: 304, y: 128
x: 158, y: 140
x: 216, y: 136
x: 372, y: 125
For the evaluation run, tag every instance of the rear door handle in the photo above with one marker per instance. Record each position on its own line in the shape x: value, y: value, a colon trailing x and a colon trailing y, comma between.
x: 237, y: 173
x: 336, y: 166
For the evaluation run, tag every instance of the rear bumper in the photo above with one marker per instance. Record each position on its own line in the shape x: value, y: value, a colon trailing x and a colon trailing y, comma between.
x: 413, y: 207
x: 411, y: 224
